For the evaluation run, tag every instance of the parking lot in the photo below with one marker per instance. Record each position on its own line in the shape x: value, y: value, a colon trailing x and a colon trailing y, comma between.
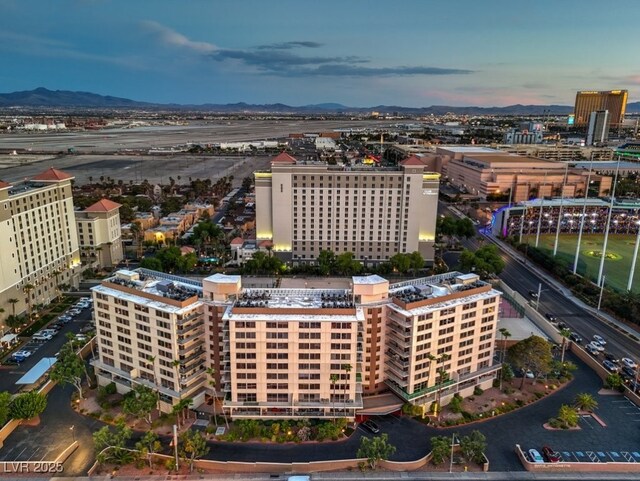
x: 14, y: 367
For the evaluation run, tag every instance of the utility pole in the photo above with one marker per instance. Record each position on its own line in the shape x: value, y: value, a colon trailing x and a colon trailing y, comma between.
x: 608, y: 225
x: 601, y: 291
x: 634, y: 260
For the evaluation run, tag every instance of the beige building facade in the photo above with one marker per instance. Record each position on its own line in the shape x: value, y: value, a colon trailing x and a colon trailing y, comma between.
x: 297, y: 352
x: 373, y: 212
x: 39, y: 243
x: 523, y: 177
x: 99, y: 234
x: 150, y: 331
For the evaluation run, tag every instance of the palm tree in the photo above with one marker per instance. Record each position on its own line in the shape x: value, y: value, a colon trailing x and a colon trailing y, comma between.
x: 212, y: 382
x: 504, y: 332
x: 13, y: 301
x: 56, y: 275
x: 347, y: 369
x: 334, y: 379
x: 565, y: 333
x: 152, y: 360
x: 442, y: 359
x: 27, y: 288
x: 585, y: 402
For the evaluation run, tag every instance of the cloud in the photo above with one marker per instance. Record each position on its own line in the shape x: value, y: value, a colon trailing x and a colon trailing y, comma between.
x: 280, y: 60
x: 290, y: 45
x: 175, y: 39
x: 48, y: 47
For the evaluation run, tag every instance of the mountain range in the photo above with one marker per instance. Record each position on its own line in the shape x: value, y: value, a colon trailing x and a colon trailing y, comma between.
x: 45, y: 98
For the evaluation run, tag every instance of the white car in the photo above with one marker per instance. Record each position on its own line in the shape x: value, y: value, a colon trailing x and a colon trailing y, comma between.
x: 600, y: 340
x: 42, y: 336
x: 630, y: 363
x: 22, y: 354
x: 594, y: 345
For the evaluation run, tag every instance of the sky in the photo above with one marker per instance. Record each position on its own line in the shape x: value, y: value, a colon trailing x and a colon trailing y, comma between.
x: 360, y: 53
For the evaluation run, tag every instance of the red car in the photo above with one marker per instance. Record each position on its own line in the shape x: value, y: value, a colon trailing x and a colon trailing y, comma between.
x: 550, y: 455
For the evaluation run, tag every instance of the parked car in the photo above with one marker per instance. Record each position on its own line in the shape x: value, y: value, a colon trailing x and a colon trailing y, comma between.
x: 535, y: 456
x: 628, y: 372
x: 562, y: 325
x: 629, y: 362
x: 598, y: 347
x: 371, y: 426
x: 600, y: 340
x: 610, y: 366
x: 551, y: 317
x: 550, y: 455
x: 533, y: 294
x: 22, y: 353
x: 575, y: 337
x: 42, y: 336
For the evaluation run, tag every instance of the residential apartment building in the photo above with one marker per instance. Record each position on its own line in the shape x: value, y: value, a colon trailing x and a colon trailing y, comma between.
x: 373, y: 212
x: 150, y: 331
x: 39, y: 243
x: 315, y: 353
x: 99, y: 234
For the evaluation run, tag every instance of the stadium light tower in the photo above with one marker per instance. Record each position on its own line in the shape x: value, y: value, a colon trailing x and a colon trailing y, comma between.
x: 541, y: 209
x: 608, y: 225
x: 635, y: 258
x: 564, y: 184
x: 584, y: 215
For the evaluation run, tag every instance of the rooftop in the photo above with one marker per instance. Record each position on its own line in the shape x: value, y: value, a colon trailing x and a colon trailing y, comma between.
x: 103, y: 205
x: 296, y: 298
x: 52, y: 175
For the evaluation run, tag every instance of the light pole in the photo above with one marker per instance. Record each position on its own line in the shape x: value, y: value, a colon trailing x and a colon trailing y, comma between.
x: 558, y: 226
x: 453, y: 440
x: 601, y: 291
x: 540, y: 291
x: 607, y: 226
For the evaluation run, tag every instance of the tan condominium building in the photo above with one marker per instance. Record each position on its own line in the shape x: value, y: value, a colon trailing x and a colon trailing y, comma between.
x: 99, y: 235
x: 39, y: 244
x: 372, y: 211
x: 325, y: 352
x: 296, y: 352
x: 150, y: 331
x: 588, y: 101
x: 522, y: 178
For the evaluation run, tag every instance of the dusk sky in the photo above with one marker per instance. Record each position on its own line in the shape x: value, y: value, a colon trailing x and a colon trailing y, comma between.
x: 355, y: 52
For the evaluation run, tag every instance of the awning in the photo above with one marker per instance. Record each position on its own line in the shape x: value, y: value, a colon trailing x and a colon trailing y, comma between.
x: 37, y: 371
x: 8, y: 338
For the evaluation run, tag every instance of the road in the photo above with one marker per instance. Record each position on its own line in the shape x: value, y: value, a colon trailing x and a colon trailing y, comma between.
x: 520, y: 277
x: 10, y: 373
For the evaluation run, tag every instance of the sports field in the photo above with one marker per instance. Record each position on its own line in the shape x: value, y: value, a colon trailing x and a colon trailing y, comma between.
x: 616, y: 266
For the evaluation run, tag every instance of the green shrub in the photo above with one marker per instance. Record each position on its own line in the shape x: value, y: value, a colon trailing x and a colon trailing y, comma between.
x: 456, y: 403
x: 477, y: 391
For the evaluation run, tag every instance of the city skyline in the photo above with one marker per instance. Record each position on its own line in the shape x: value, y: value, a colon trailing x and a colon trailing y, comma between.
x: 356, y: 54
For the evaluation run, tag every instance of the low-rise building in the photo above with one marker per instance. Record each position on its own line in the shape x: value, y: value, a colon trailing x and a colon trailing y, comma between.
x: 99, y: 235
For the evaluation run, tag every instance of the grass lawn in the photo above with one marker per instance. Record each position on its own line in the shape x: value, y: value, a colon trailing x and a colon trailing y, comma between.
x: 616, y: 270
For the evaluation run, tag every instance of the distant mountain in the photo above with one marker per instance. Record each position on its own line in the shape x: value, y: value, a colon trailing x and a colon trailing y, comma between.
x: 44, y: 98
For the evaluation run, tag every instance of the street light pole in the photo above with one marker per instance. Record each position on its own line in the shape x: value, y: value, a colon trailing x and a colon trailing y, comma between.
x: 539, y: 293
x: 453, y: 437
x: 601, y: 291
x: 584, y: 214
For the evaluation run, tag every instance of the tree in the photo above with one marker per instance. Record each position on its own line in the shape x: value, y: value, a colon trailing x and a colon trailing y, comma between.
x: 568, y: 415
x: 465, y: 228
x: 531, y: 354
x: 565, y: 333
x: 375, y: 449
x: 326, y: 261
x: 212, y: 382
x: 110, y: 444
x: 192, y: 446
x: 13, y: 301
x: 140, y: 402
x: 5, y: 404
x: 401, y: 263
x: 347, y: 369
x: 474, y: 446
x: 440, y: 449
x: 504, y: 332
x: 585, y: 402
x: 27, y: 405
x: 152, y: 264
x: 334, y: 379
x: 614, y: 381
x: 346, y: 265
x: 417, y: 261
x: 27, y: 288
x: 149, y: 445
x: 69, y: 368
x: 485, y: 261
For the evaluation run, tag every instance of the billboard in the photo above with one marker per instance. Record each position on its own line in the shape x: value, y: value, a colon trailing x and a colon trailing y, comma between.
x: 571, y: 119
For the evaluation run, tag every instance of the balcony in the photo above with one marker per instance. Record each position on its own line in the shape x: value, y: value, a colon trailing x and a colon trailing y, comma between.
x: 184, y: 328
x: 190, y: 317
x: 185, y: 340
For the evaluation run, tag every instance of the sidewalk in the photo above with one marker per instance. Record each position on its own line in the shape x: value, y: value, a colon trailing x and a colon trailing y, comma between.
x: 513, y: 253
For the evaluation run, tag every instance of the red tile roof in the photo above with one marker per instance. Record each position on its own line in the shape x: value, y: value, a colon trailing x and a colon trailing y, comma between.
x: 283, y: 158
x: 266, y: 243
x: 53, y: 175
x: 104, y: 205
x: 237, y: 241
x: 4, y: 185
x: 413, y: 160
